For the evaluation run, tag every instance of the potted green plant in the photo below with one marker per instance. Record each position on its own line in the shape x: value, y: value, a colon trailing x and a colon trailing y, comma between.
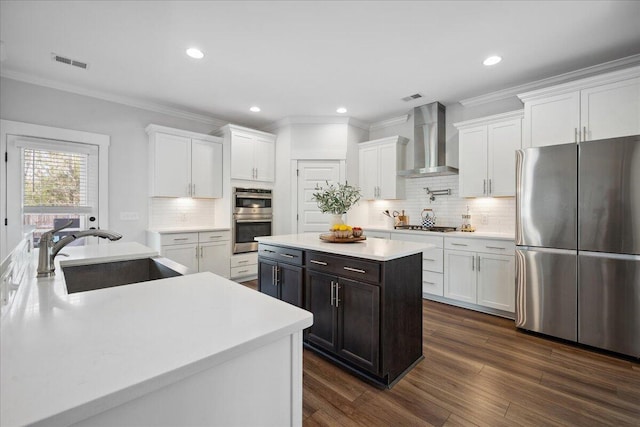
x: 336, y: 199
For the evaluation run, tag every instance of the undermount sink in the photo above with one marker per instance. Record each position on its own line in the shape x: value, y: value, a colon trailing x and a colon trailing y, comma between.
x: 89, y: 277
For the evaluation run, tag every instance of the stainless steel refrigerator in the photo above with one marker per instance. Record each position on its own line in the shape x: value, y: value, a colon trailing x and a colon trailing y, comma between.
x: 578, y: 242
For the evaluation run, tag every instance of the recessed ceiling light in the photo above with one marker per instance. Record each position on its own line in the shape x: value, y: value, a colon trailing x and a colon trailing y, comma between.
x: 195, y: 53
x: 341, y: 110
x: 492, y: 60
x: 255, y: 109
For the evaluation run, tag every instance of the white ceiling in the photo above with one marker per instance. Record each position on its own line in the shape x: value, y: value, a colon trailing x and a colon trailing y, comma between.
x: 306, y: 58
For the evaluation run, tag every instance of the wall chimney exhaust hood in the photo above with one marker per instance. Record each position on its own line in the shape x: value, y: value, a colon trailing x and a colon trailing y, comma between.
x: 429, y: 155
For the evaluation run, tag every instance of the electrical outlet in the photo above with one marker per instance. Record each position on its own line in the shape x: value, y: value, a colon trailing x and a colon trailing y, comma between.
x: 183, y: 217
x: 484, y: 219
x: 129, y: 216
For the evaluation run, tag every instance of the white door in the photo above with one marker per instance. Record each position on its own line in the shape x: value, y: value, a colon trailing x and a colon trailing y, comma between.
x: 186, y: 254
x: 242, y: 166
x: 551, y: 121
x: 173, y: 166
x: 264, y: 159
x: 368, y: 172
x: 473, y: 162
x: 206, y: 169
x: 504, y: 139
x: 312, y: 173
x: 611, y: 110
x: 214, y: 257
x: 460, y: 276
x: 497, y: 281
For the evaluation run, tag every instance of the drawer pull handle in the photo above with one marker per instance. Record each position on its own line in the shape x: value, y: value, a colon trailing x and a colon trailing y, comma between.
x: 242, y: 271
x: 355, y: 270
x: 243, y: 261
x: 428, y: 283
x: 288, y: 255
x: 182, y: 238
x: 495, y: 247
x: 428, y: 259
x: 317, y: 262
x: 215, y: 237
x: 269, y: 250
x: 459, y: 244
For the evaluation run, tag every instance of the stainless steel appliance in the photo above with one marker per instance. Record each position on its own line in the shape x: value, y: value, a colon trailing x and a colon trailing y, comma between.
x: 252, y: 217
x: 578, y: 242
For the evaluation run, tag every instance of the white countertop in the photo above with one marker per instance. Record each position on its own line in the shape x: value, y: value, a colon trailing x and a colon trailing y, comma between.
x: 472, y: 235
x: 375, y: 249
x: 67, y: 357
x: 170, y: 230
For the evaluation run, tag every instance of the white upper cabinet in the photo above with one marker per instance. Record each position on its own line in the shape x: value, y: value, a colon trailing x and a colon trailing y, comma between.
x: 604, y: 106
x: 378, y: 165
x: 252, y: 153
x: 488, y: 154
x: 184, y: 164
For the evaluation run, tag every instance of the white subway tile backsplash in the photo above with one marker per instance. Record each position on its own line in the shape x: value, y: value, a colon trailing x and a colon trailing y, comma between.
x: 500, y: 212
x: 181, y: 212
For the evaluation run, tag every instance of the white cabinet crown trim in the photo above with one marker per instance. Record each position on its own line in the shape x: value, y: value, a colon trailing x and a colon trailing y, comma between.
x: 390, y: 139
x: 612, y: 77
x: 180, y: 132
x: 389, y: 122
x: 235, y: 129
x: 517, y: 114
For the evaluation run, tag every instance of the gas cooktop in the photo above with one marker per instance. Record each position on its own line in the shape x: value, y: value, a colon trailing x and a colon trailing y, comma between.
x: 422, y: 228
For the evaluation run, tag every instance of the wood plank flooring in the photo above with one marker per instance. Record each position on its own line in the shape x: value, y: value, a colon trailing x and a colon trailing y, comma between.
x: 480, y: 370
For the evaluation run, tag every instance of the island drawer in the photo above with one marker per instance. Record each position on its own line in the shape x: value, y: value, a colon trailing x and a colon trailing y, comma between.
x: 279, y: 253
x: 352, y: 268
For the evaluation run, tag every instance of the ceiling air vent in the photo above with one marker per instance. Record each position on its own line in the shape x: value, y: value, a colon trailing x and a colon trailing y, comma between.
x: 412, y: 97
x: 69, y: 61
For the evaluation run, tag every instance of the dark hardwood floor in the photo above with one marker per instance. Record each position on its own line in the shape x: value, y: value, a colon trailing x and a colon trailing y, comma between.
x: 480, y: 370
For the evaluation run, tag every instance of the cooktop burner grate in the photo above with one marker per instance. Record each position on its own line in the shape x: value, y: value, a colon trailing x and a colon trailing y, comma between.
x: 422, y: 228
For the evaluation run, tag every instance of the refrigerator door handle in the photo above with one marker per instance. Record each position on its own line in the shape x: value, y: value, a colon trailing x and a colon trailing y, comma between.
x: 519, y: 161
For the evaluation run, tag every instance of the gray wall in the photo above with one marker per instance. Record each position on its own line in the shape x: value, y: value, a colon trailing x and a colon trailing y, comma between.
x: 128, y: 180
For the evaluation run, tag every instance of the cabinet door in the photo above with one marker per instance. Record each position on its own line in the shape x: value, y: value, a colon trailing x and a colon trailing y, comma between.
x: 214, y: 257
x: 318, y: 300
x: 504, y: 139
x: 551, y: 121
x: 611, y: 110
x: 264, y: 159
x: 290, y: 280
x: 358, y: 307
x: 497, y: 281
x: 460, y: 275
x: 267, y: 283
x: 473, y: 162
x: 186, y: 255
x: 368, y: 172
x: 206, y: 169
x: 242, y: 166
x: 172, y: 163
x: 388, y: 180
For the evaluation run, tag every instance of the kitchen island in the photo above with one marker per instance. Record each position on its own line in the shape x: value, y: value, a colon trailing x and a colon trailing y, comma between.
x: 188, y: 350
x: 366, y: 298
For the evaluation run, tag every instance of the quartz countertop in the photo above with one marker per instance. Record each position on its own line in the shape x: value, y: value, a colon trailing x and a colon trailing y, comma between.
x: 470, y: 235
x: 374, y: 249
x: 66, y: 357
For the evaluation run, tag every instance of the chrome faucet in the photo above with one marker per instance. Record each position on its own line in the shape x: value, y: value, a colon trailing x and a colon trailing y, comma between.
x: 49, y: 250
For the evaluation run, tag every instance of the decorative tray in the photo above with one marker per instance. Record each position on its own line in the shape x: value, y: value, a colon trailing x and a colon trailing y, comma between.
x: 332, y: 239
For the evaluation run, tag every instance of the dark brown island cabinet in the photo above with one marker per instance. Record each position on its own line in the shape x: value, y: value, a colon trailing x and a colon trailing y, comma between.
x: 367, y: 314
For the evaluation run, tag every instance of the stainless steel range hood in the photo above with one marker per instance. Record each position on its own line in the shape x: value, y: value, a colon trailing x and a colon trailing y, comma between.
x: 429, y: 155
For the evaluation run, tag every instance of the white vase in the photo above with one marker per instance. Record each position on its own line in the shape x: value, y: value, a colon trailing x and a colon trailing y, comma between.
x: 336, y: 219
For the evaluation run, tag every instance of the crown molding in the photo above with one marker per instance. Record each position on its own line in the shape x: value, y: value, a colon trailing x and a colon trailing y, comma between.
x: 397, y: 139
x: 628, y: 61
x: 517, y: 114
x: 119, y: 99
x: 316, y: 120
x: 230, y: 128
x: 389, y: 122
x: 153, y: 128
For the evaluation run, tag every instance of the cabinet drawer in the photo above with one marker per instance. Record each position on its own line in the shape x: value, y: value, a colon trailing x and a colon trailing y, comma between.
x: 433, y: 283
x: 243, y: 260
x: 213, y: 236
x: 244, y: 271
x: 178, y: 238
x: 432, y: 260
x: 503, y: 247
x: 282, y: 254
x: 346, y: 267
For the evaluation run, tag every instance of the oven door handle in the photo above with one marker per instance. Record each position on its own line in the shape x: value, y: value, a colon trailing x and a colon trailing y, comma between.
x: 253, y: 196
x: 241, y: 221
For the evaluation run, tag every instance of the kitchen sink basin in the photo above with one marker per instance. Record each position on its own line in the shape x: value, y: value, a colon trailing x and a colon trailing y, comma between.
x: 89, y: 277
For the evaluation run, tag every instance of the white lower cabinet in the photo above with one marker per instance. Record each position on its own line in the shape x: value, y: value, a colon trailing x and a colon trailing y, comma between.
x: 244, y: 266
x: 432, y: 268
x: 479, y: 271
x: 199, y: 251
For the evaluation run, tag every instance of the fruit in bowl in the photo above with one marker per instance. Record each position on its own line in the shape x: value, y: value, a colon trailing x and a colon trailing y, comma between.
x: 341, y: 231
x: 357, y: 231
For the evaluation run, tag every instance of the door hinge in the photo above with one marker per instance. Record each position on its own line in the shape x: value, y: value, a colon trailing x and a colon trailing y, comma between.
x: 297, y: 217
x: 6, y: 222
x: 297, y: 172
x: 6, y: 156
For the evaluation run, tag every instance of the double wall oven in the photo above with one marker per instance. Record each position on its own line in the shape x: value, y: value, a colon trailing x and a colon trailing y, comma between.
x: 252, y: 217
